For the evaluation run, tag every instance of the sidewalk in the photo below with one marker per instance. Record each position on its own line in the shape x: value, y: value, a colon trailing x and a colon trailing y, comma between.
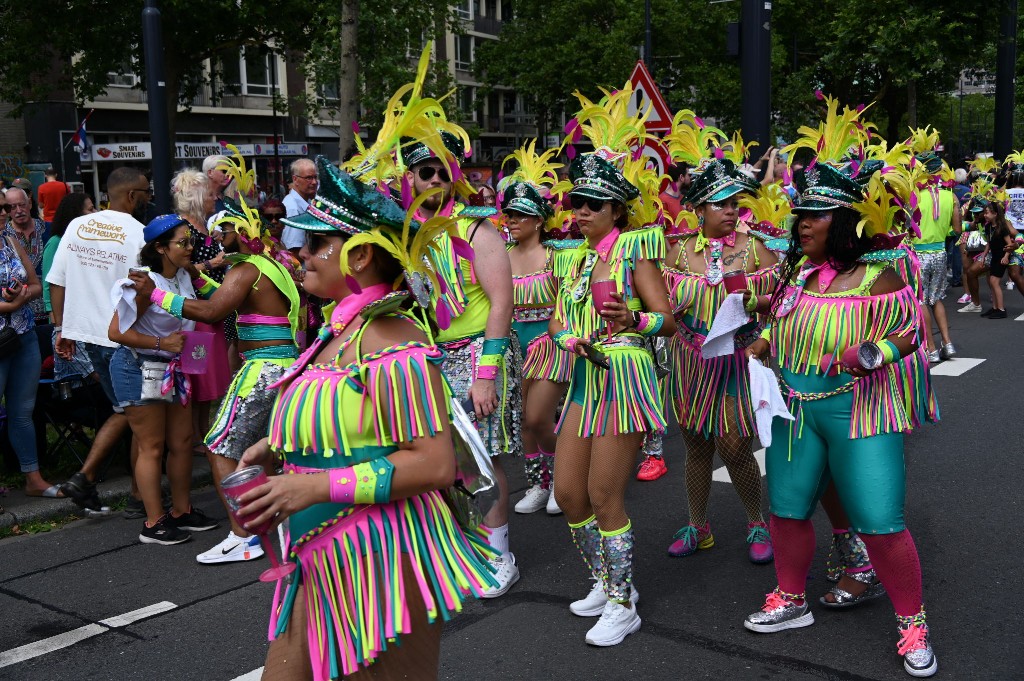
x: 19, y: 509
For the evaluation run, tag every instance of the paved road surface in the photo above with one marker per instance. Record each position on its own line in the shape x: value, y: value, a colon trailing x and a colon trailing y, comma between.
x: 61, y: 594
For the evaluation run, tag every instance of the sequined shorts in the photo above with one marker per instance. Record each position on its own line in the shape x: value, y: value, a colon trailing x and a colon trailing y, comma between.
x: 933, y: 276
x: 242, y: 421
x: 501, y: 431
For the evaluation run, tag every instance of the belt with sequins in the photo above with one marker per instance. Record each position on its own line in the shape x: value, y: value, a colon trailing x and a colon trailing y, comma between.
x: 532, y: 314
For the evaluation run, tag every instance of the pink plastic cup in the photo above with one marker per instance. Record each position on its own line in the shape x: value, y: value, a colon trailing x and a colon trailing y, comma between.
x: 735, y: 281
x: 234, y: 486
x: 601, y: 292
x: 195, y: 354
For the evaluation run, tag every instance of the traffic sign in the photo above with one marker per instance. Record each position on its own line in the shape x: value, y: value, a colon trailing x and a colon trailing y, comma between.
x: 647, y: 95
x: 657, y: 155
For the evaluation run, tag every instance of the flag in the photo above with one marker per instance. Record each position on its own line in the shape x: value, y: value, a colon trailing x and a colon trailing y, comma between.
x: 80, y: 138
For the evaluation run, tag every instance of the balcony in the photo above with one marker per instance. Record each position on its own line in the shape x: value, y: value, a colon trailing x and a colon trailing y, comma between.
x: 487, y: 25
x: 203, y: 98
x: 517, y: 123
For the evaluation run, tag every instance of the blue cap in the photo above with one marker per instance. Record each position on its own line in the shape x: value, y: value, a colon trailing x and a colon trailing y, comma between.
x: 161, y: 225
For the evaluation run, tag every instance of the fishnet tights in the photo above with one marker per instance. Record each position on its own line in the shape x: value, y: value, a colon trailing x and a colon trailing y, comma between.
x: 736, y: 452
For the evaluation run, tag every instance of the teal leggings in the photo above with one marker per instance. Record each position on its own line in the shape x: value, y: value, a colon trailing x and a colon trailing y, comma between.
x: 868, y: 472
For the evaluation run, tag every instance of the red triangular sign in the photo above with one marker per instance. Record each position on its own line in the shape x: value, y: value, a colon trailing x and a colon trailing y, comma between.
x: 647, y: 95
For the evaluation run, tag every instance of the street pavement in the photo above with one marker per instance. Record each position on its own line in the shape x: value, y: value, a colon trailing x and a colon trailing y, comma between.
x: 61, y: 593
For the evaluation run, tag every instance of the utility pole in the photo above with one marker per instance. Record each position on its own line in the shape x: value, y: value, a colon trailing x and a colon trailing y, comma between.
x: 756, y: 71
x: 156, y: 88
x: 1006, y: 59
x: 647, y: 33
x: 273, y: 107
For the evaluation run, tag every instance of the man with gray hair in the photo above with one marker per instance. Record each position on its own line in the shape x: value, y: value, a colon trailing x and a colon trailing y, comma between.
x: 304, y: 186
x: 215, y: 168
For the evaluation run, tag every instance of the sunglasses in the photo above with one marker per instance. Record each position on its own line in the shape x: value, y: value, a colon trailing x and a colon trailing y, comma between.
x: 317, y: 241
x: 6, y: 208
x: 273, y: 217
x: 595, y: 205
x: 427, y: 173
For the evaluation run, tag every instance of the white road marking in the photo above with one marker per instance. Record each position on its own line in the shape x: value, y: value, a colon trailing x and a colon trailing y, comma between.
x: 69, y: 638
x: 254, y: 675
x: 48, y: 645
x: 722, y: 474
x: 136, y: 615
x: 957, y: 366
x: 1019, y: 319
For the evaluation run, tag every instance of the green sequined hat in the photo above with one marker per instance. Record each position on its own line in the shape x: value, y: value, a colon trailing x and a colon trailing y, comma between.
x: 719, y: 179
x: 523, y: 197
x: 417, y: 152
x: 596, y: 176
x: 343, y: 204
x: 825, y: 187
x: 931, y: 161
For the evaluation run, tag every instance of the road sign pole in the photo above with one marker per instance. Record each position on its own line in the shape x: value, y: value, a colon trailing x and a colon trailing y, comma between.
x: 1006, y: 59
x: 756, y: 71
x: 156, y: 89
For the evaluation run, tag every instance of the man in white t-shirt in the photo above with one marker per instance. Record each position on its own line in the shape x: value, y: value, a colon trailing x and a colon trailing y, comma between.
x: 95, y: 251
x: 304, y: 186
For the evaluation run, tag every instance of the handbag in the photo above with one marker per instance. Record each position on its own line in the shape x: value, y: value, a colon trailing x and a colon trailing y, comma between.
x: 153, y: 380
x: 10, y: 341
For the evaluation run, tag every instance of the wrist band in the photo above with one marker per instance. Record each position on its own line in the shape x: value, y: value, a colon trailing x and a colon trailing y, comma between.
x: 157, y: 348
x: 750, y: 305
x: 169, y: 302
x: 204, y: 286
x: 488, y: 373
x: 487, y: 367
x: 650, y: 323
x: 364, y: 483
x: 495, y: 346
x: 58, y: 328
x: 766, y: 333
x: 565, y: 340
x: 890, y: 353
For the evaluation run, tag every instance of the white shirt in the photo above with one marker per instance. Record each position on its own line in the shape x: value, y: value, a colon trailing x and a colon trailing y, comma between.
x: 95, y: 251
x: 155, y: 321
x: 294, y: 204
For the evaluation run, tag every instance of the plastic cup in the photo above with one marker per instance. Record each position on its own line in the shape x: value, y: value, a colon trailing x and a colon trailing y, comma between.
x: 735, y: 281
x: 195, y: 353
x: 234, y: 486
x: 601, y: 292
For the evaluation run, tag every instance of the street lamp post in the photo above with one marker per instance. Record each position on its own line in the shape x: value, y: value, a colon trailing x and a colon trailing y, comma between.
x: 756, y: 70
x: 159, y: 130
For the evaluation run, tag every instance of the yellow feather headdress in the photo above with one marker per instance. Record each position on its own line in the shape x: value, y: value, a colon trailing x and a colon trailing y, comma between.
x: 539, y: 171
x: 923, y: 140
x: 835, y: 137
x: 691, y: 141
x: 984, y: 164
x: 736, y: 150
x: 770, y: 206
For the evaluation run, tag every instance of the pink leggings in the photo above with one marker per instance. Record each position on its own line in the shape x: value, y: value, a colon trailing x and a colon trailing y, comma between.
x: 893, y: 555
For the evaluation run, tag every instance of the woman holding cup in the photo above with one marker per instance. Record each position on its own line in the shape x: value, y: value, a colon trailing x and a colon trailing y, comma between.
x: 363, y: 429
x: 146, y: 374
x: 711, y: 396
x: 613, y: 397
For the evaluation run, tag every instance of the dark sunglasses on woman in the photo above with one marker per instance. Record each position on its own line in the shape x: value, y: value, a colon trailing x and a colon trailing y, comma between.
x: 272, y: 217
x: 427, y: 173
x: 595, y: 205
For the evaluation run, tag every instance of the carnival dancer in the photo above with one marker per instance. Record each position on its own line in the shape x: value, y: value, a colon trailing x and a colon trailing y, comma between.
x: 711, y: 396
x: 536, y: 267
x: 362, y: 425
x: 837, y: 298
x: 613, y: 397
x: 262, y: 292
x: 940, y: 215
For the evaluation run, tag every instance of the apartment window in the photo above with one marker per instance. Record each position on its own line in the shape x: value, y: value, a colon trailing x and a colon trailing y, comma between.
x: 330, y: 93
x: 124, y: 76
x: 506, y: 10
x: 510, y: 103
x: 463, y: 10
x: 467, y: 103
x: 463, y: 52
x: 249, y: 74
x: 492, y: 8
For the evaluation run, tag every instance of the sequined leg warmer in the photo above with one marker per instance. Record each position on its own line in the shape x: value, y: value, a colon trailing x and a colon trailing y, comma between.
x: 847, y: 554
x: 548, y: 467
x: 652, y: 445
x: 899, y: 569
x: 587, y: 538
x: 534, y: 466
x: 700, y: 456
x: 738, y: 455
x: 617, y: 550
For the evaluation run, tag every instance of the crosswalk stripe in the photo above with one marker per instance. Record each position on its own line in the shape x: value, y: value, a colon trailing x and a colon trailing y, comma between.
x: 1019, y: 319
x: 254, y: 675
x: 722, y: 474
x: 955, y: 367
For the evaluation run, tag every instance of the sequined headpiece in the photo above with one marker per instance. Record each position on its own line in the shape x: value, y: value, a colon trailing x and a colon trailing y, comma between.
x: 720, y: 180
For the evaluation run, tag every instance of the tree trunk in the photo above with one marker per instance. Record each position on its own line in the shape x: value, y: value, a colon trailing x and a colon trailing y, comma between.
x: 912, y: 104
x: 348, y: 94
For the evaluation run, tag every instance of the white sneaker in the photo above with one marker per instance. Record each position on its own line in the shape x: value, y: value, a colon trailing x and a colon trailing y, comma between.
x: 593, y: 603
x: 507, y: 574
x: 965, y: 298
x: 1009, y: 286
x: 536, y: 498
x: 553, y: 508
x: 234, y: 549
x: 616, y: 623
x: 970, y: 307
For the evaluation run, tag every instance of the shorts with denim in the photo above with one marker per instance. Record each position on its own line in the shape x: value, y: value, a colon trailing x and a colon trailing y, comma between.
x: 100, y: 356
x: 126, y: 377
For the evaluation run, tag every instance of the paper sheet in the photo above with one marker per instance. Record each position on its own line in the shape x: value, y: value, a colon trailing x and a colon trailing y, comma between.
x: 767, y: 400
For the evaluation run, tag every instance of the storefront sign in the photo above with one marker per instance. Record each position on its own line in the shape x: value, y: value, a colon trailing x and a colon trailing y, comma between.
x: 286, y: 149
x: 200, y: 150
x: 126, y: 151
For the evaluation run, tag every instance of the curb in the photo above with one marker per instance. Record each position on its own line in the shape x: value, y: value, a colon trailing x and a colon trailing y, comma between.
x: 18, y: 509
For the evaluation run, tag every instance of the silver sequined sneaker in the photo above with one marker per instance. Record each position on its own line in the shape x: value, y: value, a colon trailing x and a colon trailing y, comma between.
x: 918, y: 657
x: 948, y: 351
x: 779, y: 613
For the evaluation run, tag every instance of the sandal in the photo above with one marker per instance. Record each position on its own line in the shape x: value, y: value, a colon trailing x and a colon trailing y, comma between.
x: 845, y: 599
x: 51, y: 492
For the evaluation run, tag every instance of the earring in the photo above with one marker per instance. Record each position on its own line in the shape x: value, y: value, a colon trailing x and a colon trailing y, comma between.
x: 359, y: 268
x: 700, y: 221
